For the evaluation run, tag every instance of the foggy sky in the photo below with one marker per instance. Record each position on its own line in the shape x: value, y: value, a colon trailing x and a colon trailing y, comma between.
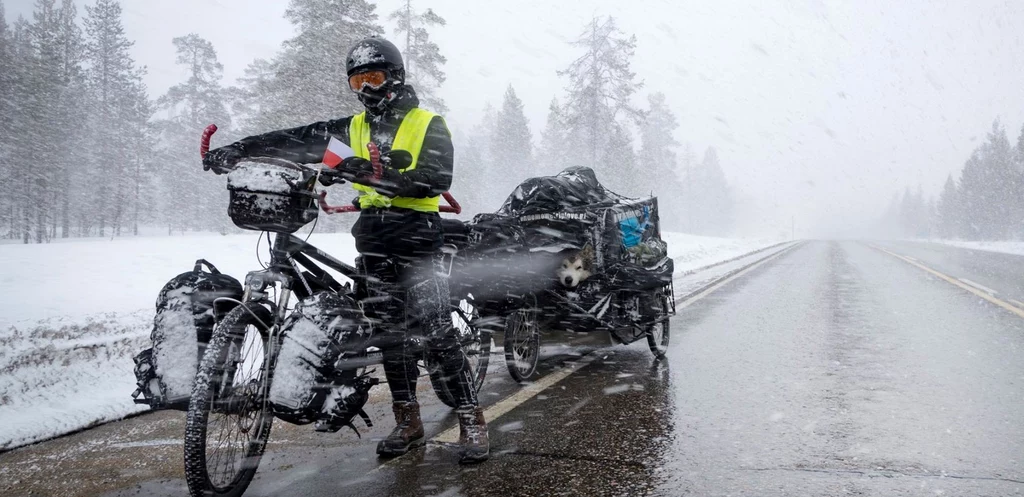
x: 820, y: 111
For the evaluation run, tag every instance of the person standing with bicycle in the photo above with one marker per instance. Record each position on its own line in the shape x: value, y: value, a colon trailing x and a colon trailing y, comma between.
x: 398, y: 233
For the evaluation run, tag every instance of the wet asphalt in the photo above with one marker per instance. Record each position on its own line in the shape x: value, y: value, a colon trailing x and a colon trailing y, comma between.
x: 832, y: 370
x: 1002, y: 273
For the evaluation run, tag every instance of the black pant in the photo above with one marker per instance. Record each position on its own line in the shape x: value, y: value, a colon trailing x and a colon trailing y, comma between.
x: 409, y: 295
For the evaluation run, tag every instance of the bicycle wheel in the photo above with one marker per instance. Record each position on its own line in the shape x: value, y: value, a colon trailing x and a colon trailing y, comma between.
x: 476, y: 343
x: 229, y: 418
x: 522, y: 344
x: 658, y: 332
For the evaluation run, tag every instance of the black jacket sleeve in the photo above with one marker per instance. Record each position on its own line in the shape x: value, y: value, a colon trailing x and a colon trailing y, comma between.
x: 304, y: 144
x: 434, y: 167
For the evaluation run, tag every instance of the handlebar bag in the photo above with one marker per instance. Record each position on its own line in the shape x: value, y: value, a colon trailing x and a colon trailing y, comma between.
x: 271, y: 197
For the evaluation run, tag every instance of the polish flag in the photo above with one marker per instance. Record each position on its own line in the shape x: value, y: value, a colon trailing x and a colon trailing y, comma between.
x: 336, y: 152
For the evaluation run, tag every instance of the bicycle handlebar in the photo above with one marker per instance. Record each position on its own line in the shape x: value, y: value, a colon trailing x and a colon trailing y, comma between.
x: 453, y: 205
x: 204, y: 142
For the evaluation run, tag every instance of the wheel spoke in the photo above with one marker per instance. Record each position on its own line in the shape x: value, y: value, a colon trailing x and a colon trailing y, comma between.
x: 231, y: 433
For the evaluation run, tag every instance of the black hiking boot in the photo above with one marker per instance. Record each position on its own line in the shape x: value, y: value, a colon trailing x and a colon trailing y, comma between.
x: 473, y: 444
x: 408, y: 432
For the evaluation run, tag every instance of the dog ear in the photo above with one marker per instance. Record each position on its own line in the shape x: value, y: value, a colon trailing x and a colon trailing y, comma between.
x: 588, y: 257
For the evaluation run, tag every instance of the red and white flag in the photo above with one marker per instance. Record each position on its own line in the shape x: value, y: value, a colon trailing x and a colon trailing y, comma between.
x: 336, y: 152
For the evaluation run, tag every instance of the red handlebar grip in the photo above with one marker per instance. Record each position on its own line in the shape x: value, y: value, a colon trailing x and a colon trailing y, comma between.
x: 204, y: 142
x: 455, y: 207
x: 378, y: 171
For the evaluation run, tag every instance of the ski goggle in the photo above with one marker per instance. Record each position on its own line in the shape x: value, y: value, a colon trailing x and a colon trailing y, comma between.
x: 374, y: 79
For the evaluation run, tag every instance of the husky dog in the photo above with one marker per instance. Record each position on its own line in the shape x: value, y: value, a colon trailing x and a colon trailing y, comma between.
x: 576, y: 267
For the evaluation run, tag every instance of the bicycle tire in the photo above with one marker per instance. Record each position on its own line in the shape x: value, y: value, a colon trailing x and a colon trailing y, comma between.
x: 658, y: 341
x: 522, y: 344
x: 216, y: 366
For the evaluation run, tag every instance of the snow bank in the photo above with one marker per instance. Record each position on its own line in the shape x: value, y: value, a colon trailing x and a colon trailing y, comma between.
x: 1015, y: 248
x: 75, y: 313
x: 693, y: 252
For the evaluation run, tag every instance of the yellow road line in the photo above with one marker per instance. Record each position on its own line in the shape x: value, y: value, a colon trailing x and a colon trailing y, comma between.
x: 954, y: 281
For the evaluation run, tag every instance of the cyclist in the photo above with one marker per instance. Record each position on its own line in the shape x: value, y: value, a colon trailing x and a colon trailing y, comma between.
x: 398, y: 233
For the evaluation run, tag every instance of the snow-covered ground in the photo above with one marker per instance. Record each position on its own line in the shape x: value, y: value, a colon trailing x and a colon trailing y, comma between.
x: 1015, y: 248
x: 692, y: 252
x: 75, y: 313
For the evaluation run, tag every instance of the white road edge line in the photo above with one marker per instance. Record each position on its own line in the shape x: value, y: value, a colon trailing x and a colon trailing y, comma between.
x: 979, y: 286
x: 990, y: 298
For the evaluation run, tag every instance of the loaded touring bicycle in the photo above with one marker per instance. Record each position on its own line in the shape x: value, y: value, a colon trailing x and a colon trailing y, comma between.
x: 291, y: 342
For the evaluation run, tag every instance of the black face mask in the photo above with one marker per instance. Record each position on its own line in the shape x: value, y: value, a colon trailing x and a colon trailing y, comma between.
x: 377, y: 101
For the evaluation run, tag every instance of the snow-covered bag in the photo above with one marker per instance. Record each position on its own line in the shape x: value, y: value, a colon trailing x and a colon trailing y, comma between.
x: 314, y: 337
x: 186, y: 313
x: 268, y: 196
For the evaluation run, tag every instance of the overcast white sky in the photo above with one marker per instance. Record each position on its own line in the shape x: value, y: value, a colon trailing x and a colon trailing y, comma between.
x: 820, y: 110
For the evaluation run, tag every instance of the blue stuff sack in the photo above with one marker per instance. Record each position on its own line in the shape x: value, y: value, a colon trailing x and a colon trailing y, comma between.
x: 632, y: 229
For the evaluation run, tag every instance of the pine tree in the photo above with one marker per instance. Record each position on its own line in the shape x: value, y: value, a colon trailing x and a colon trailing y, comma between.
x: 119, y: 118
x: 554, y: 153
x: 1019, y: 150
x: 7, y: 109
x: 475, y: 170
x: 601, y: 85
x: 48, y: 100
x: 998, y: 156
x: 618, y: 163
x: 511, y: 144
x: 193, y: 196
x: 685, y: 173
x: 973, y: 185
x: 712, y: 204
x: 948, y: 210
x: 423, y: 59
x: 249, y: 101
x: 309, y: 81
x: 471, y: 184
x: 25, y: 105
x: 658, y: 161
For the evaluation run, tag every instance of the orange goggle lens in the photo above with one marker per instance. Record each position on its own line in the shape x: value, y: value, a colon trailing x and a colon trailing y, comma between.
x: 373, y: 79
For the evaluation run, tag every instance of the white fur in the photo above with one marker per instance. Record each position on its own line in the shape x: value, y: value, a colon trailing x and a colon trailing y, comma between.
x: 574, y: 270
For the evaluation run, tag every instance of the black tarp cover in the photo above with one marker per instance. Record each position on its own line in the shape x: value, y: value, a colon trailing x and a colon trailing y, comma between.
x: 574, y: 187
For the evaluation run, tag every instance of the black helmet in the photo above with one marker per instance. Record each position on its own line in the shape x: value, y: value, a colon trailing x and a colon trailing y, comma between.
x: 375, y: 53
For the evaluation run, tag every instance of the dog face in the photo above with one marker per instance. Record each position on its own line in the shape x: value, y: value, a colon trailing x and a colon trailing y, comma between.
x: 576, y: 268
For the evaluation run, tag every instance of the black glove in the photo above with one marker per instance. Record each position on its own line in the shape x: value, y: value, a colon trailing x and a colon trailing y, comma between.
x: 356, y: 169
x: 356, y: 166
x: 397, y: 159
x: 329, y: 177
x: 222, y: 160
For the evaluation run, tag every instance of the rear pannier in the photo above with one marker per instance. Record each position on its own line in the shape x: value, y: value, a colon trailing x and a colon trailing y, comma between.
x: 187, y: 309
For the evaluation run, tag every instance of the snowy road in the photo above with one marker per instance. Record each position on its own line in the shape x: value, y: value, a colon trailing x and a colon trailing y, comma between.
x: 832, y: 369
x: 994, y: 272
